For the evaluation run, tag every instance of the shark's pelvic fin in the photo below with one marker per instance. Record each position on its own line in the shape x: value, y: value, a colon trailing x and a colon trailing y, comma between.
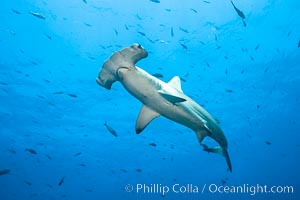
x: 146, y: 115
x: 201, y: 135
x: 175, y: 83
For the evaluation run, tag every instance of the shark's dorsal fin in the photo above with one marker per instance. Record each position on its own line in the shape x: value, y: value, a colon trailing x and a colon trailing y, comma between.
x: 171, y: 98
x: 175, y: 83
x: 146, y: 115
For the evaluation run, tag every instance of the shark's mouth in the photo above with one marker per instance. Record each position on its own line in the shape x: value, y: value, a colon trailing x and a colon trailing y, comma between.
x: 106, y: 78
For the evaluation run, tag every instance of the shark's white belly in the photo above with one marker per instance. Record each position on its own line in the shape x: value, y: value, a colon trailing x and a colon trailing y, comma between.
x: 145, y: 88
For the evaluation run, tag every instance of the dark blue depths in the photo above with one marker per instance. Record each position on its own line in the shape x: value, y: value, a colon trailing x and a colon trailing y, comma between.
x: 240, y: 60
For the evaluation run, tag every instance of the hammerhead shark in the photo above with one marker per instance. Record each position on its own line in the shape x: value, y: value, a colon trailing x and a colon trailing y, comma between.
x: 160, y: 98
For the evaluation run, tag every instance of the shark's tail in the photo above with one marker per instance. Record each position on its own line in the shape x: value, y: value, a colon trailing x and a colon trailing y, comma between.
x: 221, y: 151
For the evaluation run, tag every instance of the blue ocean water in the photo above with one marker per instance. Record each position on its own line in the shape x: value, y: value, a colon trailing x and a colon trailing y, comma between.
x: 240, y: 60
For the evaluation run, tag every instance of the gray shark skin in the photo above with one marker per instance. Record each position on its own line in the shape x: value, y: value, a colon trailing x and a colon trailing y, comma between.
x: 160, y: 98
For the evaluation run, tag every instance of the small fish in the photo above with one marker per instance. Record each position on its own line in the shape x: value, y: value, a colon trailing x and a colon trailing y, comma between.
x: 27, y: 183
x: 218, y: 121
x: 168, y: 9
x: 184, y: 30
x: 187, y: 75
x: 38, y: 15
x: 229, y: 91
x: 4, y: 171
x: 116, y: 32
x: 73, y: 95
x: 182, y: 79
x: 49, y: 185
x: 111, y: 130
x: 59, y: 92
x: 139, y: 170
x: 239, y: 12
x: 206, y: 1
x: 152, y: 144
x: 138, y: 17
x: 48, y: 36
x: 12, y: 151
x: 299, y: 44
x: 183, y: 45
x: 268, y: 142
x: 172, y: 32
x: 141, y: 33
x: 87, y: 24
x: 155, y: 1
x: 40, y: 96
x: 163, y: 42
x: 77, y: 154
x: 15, y: 11
x: 216, y: 37
x: 224, y: 181
x: 257, y: 46
x: 158, y: 75
x: 3, y: 83
x: 152, y: 41
x: 195, y: 11
x: 35, y: 63
x: 61, y: 181
x: 84, y: 1
x: 124, y: 170
x: 92, y: 57
x: 126, y: 27
x: 82, y: 165
x: 32, y: 151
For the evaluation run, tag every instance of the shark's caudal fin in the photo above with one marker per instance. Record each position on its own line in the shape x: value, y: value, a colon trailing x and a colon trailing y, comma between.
x: 221, y: 151
x: 146, y: 115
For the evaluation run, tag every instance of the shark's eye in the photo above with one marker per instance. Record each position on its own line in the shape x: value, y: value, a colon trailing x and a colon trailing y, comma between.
x: 139, y: 46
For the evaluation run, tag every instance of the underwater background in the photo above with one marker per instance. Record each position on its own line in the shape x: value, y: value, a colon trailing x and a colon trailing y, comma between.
x: 62, y: 136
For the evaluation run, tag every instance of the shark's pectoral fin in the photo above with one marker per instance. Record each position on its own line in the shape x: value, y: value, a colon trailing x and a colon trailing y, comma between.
x: 175, y: 83
x: 219, y: 150
x: 175, y: 94
x: 171, y: 98
x: 146, y: 115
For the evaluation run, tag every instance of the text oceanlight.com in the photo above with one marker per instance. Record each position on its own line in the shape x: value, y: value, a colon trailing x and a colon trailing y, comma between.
x: 208, y: 188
